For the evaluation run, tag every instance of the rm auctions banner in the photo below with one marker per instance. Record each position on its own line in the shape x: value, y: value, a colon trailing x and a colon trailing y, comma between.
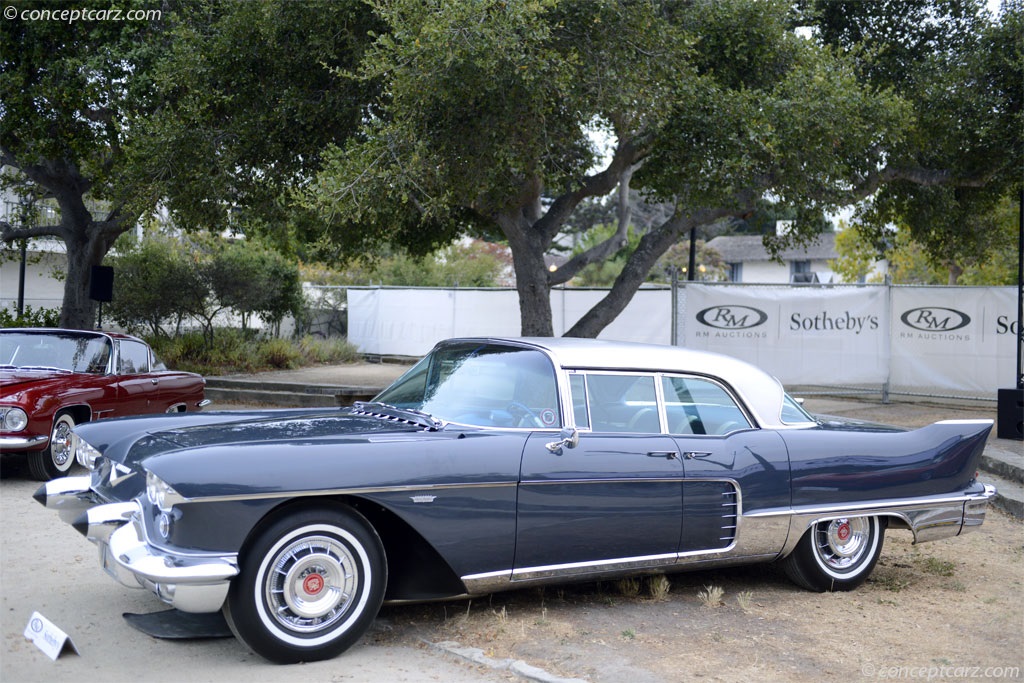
x: 958, y: 338
x: 805, y: 335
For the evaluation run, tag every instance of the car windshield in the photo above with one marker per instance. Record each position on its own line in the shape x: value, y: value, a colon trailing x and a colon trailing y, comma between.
x: 55, y: 350
x: 488, y: 385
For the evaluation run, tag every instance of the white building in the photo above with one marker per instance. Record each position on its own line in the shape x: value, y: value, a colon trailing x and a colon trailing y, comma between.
x: 749, y: 261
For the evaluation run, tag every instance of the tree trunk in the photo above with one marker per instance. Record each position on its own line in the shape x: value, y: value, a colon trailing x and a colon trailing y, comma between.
x: 651, y: 247
x: 955, y: 271
x: 532, y: 284
x: 86, y: 250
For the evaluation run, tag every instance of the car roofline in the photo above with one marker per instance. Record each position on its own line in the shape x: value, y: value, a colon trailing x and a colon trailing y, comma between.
x: 760, y: 391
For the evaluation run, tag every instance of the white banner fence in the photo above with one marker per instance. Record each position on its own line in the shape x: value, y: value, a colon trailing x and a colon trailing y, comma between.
x: 934, y: 341
x: 930, y: 341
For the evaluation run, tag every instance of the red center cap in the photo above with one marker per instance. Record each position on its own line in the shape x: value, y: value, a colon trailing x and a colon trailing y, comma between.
x: 843, y: 532
x: 313, y: 584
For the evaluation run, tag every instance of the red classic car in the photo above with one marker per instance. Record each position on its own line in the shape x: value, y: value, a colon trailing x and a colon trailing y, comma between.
x: 51, y: 380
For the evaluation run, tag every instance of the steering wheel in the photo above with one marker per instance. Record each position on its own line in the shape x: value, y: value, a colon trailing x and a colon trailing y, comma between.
x: 524, y: 416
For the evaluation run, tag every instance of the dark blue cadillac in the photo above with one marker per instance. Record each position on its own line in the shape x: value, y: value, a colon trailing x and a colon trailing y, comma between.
x: 499, y: 463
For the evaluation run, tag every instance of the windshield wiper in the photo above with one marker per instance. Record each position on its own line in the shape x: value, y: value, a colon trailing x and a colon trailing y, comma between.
x: 390, y: 412
x: 48, y: 368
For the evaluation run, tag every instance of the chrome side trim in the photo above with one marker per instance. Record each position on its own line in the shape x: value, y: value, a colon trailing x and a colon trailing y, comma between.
x: 353, y: 491
x: 928, y: 519
x: 873, y: 505
x: 601, y: 566
x: 761, y: 537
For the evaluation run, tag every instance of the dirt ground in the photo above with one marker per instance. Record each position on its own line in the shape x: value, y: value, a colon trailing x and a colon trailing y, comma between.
x: 947, y: 610
x: 953, y: 604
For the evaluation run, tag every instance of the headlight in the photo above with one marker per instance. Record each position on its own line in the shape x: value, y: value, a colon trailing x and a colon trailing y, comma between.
x: 161, y: 494
x: 13, y: 419
x: 85, y: 454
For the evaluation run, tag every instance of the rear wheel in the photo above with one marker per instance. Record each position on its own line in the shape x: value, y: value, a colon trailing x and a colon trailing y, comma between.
x: 836, y: 554
x: 57, y: 458
x: 309, y: 587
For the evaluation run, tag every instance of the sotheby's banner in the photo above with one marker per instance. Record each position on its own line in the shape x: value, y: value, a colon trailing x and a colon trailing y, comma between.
x: 800, y: 335
x: 955, y: 338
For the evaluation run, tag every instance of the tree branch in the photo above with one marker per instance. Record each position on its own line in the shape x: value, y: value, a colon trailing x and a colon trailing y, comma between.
x: 625, y: 157
x: 607, y: 248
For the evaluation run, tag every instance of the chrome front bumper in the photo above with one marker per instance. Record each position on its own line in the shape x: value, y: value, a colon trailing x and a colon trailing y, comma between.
x: 188, y: 582
x: 20, y: 443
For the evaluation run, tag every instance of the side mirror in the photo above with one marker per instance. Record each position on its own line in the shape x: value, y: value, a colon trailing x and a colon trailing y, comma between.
x: 570, y: 438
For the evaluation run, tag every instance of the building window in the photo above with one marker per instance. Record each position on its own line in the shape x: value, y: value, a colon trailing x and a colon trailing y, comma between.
x: 735, y: 272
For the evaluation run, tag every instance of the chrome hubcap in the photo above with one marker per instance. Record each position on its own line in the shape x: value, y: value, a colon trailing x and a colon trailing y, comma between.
x: 60, y: 445
x: 842, y: 543
x: 311, y: 583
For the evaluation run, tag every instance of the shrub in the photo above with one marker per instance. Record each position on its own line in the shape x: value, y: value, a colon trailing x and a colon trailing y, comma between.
x: 30, y: 317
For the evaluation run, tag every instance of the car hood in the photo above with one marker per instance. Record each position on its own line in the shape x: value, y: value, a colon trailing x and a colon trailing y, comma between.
x: 129, y: 441
x: 176, y: 446
x: 19, y: 380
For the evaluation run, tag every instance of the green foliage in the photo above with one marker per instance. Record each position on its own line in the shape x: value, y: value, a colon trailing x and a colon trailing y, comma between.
x: 960, y: 75
x: 476, y: 264
x: 708, y: 262
x: 158, y: 283
x: 69, y: 90
x: 603, y: 273
x: 999, y: 265
x: 249, y: 279
x: 30, y: 317
x: 911, y: 262
x: 857, y: 254
x: 249, y: 97
x: 164, y: 281
x: 236, y: 351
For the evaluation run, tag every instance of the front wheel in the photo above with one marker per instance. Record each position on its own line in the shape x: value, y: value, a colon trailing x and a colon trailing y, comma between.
x: 836, y: 554
x: 309, y: 587
x: 57, y: 458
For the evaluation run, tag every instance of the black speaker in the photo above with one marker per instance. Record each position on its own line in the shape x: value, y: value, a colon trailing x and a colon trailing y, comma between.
x: 1010, y: 411
x: 101, y: 283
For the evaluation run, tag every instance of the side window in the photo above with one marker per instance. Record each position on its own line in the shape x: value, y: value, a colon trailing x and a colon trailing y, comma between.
x: 699, y: 406
x: 578, y: 389
x: 622, y: 403
x: 134, y: 357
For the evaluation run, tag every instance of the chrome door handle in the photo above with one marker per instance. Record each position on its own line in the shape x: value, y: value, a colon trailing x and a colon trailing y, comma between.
x: 668, y: 455
x: 690, y: 455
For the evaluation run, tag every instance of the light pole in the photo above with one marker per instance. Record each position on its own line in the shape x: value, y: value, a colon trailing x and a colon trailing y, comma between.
x: 25, y: 204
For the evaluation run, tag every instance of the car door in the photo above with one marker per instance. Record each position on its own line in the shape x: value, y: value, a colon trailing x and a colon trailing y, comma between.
x: 138, y: 391
x: 730, y: 467
x: 614, y: 497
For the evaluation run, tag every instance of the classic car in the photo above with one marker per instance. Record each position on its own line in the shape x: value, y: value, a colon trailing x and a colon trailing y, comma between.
x: 494, y: 464
x: 52, y: 380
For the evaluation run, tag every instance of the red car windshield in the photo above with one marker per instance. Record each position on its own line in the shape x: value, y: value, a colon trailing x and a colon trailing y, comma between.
x: 55, y: 350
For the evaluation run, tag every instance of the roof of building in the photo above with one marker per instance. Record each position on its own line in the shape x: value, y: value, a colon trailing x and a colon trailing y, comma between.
x: 739, y: 248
